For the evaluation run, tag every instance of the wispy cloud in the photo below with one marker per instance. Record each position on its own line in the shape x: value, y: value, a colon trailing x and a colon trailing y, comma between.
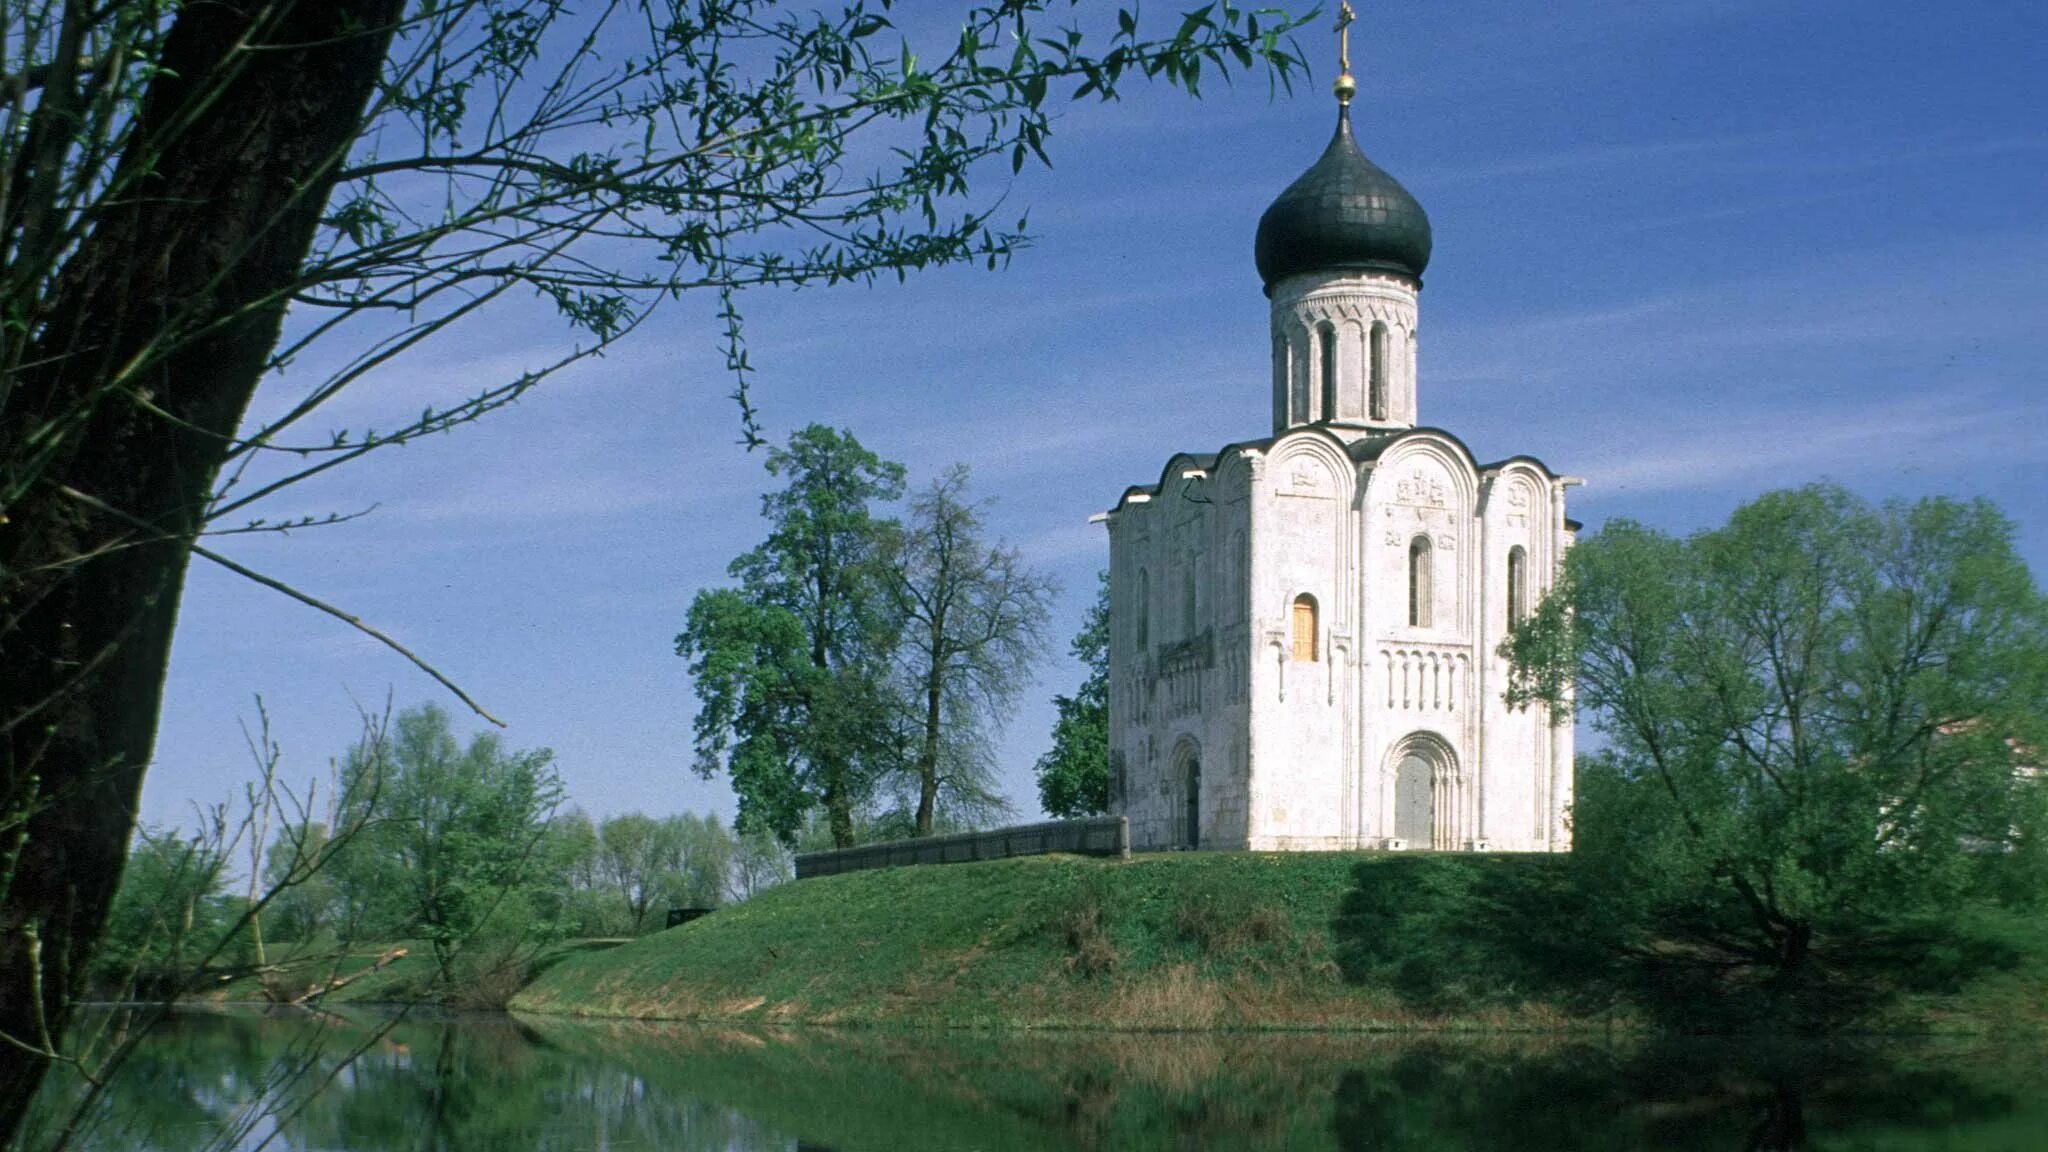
x: 1791, y: 443
x: 1935, y: 299
x: 1634, y: 154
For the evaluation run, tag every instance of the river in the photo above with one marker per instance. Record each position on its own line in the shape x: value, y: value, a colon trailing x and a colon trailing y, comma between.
x: 364, y: 1083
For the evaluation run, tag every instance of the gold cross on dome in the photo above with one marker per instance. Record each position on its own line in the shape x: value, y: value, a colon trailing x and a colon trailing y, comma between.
x: 1345, y: 87
x: 1344, y: 18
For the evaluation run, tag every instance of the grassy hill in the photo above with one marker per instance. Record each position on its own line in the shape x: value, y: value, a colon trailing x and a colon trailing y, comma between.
x: 1194, y: 941
x: 1199, y: 941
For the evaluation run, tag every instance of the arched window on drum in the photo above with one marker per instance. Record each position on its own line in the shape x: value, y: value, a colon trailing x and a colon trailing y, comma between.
x: 1376, y: 380
x: 1326, y: 341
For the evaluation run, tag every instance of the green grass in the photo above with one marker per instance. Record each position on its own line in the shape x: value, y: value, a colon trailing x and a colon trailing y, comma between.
x: 1184, y: 941
x: 485, y: 979
x: 1200, y: 941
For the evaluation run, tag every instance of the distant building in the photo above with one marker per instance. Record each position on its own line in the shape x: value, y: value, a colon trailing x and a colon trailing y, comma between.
x: 1303, y: 626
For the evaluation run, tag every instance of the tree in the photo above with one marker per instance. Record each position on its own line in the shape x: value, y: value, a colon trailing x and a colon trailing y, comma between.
x: 604, y: 879
x: 759, y: 862
x: 708, y: 854
x: 459, y: 827
x: 168, y: 913
x: 638, y: 855
x: 305, y: 902
x: 971, y: 617
x: 1073, y: 778
x: 580, y: 904
x: 183, y: 183
x: 789, y: 668
x: 1818, y: 720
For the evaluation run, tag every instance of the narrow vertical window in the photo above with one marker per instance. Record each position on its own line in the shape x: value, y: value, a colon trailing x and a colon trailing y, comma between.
x: 1240, y: 583
x: 1326, y: 337
x: 1518, y: 585
x: 1378, y: 371
x: 1297, y: 386
x: 1188, y: 612
x: 1144, y: 609
x: 1283, y: 372
x: 1304, y: 627
x: 1419, y: 592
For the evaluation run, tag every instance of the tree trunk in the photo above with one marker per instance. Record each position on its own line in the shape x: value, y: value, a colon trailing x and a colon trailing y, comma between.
x: 238, y: 148
x: 928, y: 756
x: 839, y: 811
x: 1794, y: 947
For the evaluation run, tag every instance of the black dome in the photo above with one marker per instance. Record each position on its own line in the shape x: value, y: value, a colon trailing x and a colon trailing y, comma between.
x: 1344, y: 213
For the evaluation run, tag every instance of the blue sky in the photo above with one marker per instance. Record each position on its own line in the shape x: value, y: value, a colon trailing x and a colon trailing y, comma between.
x: 1690, y: 252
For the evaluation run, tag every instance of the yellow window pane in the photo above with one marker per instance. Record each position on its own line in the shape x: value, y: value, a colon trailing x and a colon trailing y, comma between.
x: 1304, y: 629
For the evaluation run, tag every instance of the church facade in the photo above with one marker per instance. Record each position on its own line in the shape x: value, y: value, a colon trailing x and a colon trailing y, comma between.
x: 1304, y: 625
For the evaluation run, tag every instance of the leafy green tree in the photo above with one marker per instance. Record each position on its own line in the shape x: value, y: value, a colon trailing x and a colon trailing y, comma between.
x: 638, y: 855
x: 708, y: 853
x: 306, y: 899
x: 168, y: 914
x: 182, y: 177
x: 971, y: 616
x: 1073, y: 778
x: 1818, y: 721
x: 458, y: 830
x: 790, y: 668
x: 578, y: 901
x: 759, y: 862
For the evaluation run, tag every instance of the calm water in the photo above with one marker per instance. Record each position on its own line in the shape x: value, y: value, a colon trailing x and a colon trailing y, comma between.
x: 206, y: 1080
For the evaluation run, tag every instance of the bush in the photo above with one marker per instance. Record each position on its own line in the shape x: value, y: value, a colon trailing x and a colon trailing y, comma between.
x: 1080, y: 920
x: 1221, y: 919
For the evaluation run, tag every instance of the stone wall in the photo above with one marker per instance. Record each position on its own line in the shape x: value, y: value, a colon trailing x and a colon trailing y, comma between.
x: 1093, y: 836
x: 1179, y: 654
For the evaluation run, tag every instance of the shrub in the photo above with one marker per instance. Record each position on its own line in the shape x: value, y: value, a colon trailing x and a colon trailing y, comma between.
x: 1080, y: 921
x: 1221, y: 919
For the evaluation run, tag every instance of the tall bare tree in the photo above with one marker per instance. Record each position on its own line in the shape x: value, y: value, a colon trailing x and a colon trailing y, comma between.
x: 971, y: 620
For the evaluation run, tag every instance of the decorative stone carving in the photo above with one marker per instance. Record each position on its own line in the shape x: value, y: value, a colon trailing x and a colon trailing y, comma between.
x: 1420, y: 490
x: 1424, y: 678
x: 1518, y: 506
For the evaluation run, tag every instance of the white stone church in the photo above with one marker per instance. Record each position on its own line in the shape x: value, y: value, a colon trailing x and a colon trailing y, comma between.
x: 1304, y: 625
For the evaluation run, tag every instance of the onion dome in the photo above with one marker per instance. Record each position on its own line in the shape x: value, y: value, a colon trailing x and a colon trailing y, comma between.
x: 1344, y: 214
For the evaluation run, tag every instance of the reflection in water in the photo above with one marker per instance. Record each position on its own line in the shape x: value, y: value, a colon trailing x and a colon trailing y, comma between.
x: 453, y: 1084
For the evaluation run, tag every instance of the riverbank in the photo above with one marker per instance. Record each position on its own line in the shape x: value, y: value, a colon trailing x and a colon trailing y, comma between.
x: 327, y: 973
x: 485, y: 1081
x: 1197, y: 942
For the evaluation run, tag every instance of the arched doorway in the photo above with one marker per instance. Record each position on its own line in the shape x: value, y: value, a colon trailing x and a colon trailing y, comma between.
x: 1415, y: 799
x: 1425, y: 792
x: 1188, y: 782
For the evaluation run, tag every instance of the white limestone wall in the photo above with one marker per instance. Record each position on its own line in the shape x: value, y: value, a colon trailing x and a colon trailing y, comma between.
x: 1178, y: 659
x: 1350, y: 306
x: 1562, y: 753
x: 1303, y: 711
x: 1521, y: 788
x: 1306, y: 754
x: 1421, y: 692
